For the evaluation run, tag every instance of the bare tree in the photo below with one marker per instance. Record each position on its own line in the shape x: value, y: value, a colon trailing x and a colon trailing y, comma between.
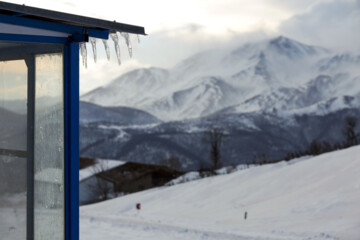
x: 349, y: 131
x: 101, y: 186
x: 214, y: 137
x: 172, y: 162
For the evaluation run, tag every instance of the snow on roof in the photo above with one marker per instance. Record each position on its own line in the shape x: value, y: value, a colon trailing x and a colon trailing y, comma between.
x: 50, y: 175
x: 103, y: 164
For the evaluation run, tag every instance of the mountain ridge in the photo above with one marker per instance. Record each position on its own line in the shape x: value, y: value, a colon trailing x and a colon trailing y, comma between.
x: 254, y: 69
x: 272, y: 97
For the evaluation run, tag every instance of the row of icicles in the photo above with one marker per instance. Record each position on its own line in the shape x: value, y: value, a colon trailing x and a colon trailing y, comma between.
x: 115, y: 38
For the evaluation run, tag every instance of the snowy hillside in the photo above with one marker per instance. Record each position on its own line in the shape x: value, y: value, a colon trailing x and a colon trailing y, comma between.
x: 279, y: 73
x: 316, y: 198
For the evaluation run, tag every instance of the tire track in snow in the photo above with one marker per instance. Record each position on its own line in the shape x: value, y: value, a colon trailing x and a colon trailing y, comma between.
x: 153, y: 230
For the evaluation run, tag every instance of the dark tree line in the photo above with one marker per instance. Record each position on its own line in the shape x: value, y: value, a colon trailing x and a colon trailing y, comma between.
x: 214, y: 138
x: 351, y: 138
x: 319, y: 147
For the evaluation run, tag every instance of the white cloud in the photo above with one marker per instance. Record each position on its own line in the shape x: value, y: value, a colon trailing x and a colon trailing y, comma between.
x: 180, y: 28
x: 159, y: 15
x: 333, y: 24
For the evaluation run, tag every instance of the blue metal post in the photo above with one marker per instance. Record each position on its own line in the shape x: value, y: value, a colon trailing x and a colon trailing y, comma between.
x: 71, y: 103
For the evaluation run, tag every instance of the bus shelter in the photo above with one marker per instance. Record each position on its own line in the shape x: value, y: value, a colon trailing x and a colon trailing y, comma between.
x: 39, y: 119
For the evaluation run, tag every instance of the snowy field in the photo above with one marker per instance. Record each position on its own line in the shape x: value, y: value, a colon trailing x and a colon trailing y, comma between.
x: 313, y: 199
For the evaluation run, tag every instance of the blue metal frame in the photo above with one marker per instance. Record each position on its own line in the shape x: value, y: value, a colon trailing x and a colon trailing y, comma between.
x: 71, y: 103
x: 77, y: 29
x: 52, y: 26
x: 32, y: 38
x: 71, y: 128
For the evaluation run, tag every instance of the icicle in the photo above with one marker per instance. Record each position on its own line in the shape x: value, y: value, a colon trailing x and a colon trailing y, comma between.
x: 93, y: 44
x: 115, y: 38
x: 127, y: 41
x: 138, y: 38
x: 106, y: 46
x: 83, y: 53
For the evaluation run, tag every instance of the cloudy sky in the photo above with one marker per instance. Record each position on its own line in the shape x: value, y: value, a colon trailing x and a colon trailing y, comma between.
x: 178, y: 28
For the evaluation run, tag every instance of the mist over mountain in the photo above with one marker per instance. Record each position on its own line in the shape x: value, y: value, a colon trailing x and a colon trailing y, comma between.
x: 210, y: 81
x: 261, y: 94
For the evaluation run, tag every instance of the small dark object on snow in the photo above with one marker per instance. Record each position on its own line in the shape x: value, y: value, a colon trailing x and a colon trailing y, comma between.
x: 138, y: 206
x: 245, y: 216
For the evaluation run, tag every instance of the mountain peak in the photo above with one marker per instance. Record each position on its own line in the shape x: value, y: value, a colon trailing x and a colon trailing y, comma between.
x: 281, y: 38
x: 284, y: 42
x: 291, y: 48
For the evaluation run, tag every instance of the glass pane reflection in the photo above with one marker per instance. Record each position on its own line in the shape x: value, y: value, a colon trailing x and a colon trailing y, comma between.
x: 13, y: 138
x: 49, y: 148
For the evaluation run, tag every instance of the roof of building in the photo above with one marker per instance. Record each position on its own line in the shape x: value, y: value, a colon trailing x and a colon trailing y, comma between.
x: 99, y: 166
x: 138, y: 170
x: 32, y: 13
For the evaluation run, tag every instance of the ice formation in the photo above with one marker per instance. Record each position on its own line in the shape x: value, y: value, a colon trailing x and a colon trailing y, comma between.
x: 126, y: 36
x: 93, y: 44
x: 83, y: 53
x: 115, y: 38
x: 107, y: 49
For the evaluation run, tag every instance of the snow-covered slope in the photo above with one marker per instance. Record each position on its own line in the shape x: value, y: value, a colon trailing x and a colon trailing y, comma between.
x: 211, y: 93
x: 316, y: 198
x: 253, y: 76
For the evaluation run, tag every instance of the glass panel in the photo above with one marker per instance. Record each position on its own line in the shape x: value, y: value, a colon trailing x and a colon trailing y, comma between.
x: 49, y: 148
x: 13, y: 108
x: 13, y: 134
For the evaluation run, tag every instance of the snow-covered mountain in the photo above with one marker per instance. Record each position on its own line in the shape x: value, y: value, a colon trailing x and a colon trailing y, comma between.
x: 315, y: 198
x: 271, y: 97
x: 278, y: 73
x: 132, y: 89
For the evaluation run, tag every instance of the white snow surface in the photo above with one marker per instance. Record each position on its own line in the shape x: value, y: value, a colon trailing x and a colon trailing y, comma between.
x: 313, y: 198
x: 103, y: 164
x: 190, y: 176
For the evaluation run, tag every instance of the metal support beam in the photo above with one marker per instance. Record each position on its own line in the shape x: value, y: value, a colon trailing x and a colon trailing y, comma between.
x: 30, y: 62
x: 71, y: 114
x: 32, y: 38
x: 51, y: 26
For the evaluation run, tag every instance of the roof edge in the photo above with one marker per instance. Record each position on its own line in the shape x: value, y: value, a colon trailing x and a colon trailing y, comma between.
x: 71, y: 19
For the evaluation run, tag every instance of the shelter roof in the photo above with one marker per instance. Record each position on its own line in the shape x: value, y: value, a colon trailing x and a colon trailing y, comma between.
x: 66, y: 18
